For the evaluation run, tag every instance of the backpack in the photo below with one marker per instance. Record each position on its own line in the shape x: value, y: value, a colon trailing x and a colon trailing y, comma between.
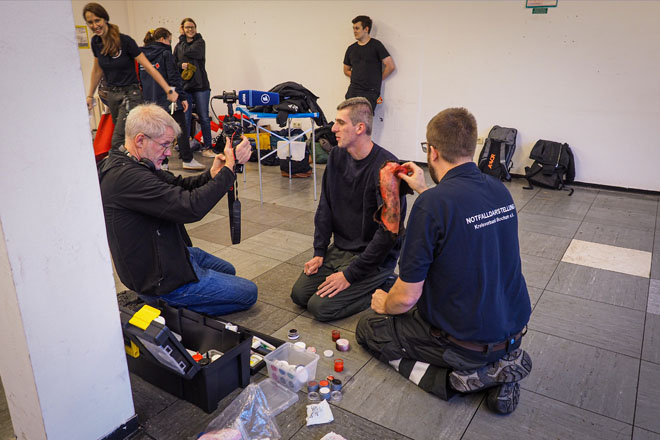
x: 294, y: 98
x: 553, y: 167
x: 495, y: 157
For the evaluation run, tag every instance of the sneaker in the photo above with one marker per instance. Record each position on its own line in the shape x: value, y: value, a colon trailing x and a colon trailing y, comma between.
x: 512, y: 367
x: 193, y: 165
x: 164, y: 166
x: 504, y: 398
x: 208, y: 153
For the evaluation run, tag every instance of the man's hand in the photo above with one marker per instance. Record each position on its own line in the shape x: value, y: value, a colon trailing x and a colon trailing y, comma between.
x: 332, y: 285
x: 184, y: 104
x: 312, y: 266
x: 378, y: 301
x: 243, y: 151
x: 416, y: 180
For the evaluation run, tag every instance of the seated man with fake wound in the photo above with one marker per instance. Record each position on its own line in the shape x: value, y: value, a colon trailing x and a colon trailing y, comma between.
x: 145, y: 211
x: 454, y: 320
x: 338, y: 281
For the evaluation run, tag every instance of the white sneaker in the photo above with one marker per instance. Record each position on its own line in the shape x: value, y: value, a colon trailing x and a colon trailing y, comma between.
x: 164, y: 166
x: 208, y: 153
x: 193, y: 165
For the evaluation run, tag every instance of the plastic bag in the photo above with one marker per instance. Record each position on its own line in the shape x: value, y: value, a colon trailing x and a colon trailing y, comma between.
x: 247, y: 415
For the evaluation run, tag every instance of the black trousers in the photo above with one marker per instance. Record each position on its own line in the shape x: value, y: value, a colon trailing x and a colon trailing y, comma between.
x: 408, y: 337
x: 183, y: 141
x: 371, y: 95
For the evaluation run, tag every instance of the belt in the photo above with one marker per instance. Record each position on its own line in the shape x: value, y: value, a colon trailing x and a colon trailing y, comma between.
x: 475, y: 346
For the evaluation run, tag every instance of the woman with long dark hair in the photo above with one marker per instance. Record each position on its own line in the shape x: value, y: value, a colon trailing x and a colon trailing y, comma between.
x: 158, y: 50
x: 114, y: 56
x: 190, y: 56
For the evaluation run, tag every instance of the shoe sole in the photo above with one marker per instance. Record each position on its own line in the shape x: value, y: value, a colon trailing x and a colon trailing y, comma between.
x: 504, y: 400
x: 470, y: 382
x: 193, y: 168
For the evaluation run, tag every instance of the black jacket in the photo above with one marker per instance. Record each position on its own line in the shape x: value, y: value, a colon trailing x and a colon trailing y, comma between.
x: 194, y: 53
x: 144, y: 215
x: 160, y: 56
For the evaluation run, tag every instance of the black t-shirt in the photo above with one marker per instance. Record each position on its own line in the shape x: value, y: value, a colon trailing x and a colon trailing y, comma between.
x: 462, y: 238
x: 366, y: 64
x: 120, y: 69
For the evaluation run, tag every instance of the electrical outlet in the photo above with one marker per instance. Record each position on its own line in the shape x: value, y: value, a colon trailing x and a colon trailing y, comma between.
x: 480, y: 141
x: 296, y: 125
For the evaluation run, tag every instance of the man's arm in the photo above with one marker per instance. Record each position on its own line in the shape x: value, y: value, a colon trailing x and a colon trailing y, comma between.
x: 388, y: 66
x: 401, y: 298
x: 347, y: 70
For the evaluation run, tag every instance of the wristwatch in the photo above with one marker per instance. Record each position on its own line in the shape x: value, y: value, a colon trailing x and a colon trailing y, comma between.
x: 170, y: 92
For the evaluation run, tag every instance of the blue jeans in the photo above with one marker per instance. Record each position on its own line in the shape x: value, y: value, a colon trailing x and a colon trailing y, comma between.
x: 218, y: 292
x: 201, y: 100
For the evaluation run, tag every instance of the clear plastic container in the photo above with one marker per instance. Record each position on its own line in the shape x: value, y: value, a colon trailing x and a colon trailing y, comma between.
x: 291, y: 376
x: 278, y: 398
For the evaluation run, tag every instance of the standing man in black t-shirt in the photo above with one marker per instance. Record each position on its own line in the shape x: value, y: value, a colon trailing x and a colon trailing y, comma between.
x: 454, y: 320
x: 367, y: 63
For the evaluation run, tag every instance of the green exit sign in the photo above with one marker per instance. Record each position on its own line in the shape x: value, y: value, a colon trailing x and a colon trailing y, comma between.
x: 540, y: 11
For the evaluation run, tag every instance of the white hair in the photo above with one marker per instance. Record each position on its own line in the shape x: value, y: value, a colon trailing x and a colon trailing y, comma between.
x: 150, y: 119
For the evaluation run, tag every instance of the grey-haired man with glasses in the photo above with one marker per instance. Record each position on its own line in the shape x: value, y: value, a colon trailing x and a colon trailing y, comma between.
x: 145, y: 211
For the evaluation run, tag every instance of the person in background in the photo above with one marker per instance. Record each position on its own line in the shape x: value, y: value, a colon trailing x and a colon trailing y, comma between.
x: 158, y: 50
x: 366, y: 62
x: 190, y: 56
x: 114, y: 56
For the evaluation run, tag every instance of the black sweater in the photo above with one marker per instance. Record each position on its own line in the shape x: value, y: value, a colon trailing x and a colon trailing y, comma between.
x: 144, y: 215
x: 193, y: 53
x: 349, y: 198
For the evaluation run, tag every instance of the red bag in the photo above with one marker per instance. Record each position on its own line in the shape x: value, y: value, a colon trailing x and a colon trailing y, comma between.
x: 103, y: 138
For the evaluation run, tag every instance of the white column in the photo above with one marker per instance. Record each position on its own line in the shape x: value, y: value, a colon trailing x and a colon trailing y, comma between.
x: 61, y: 351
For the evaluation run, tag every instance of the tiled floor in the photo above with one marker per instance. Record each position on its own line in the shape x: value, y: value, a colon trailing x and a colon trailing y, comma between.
x: 592, y: 265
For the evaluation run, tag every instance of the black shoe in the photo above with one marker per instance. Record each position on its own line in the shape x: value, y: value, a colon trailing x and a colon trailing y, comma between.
x: 512, y: 367
x: 504, y: 398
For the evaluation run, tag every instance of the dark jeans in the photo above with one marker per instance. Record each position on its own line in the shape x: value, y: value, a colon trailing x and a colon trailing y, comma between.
x: 183, y: 141
x: 371, y: 95
x: 408, y: 336
x: 352, y: 300
x: 201, y: 100
x: 121, y: 100
x: 218, y: 292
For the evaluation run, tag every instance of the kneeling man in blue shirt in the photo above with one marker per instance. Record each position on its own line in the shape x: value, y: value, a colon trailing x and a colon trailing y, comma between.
x: 454, y: 320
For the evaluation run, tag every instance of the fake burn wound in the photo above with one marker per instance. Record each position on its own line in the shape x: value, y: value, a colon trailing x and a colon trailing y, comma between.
x: 391, y: 188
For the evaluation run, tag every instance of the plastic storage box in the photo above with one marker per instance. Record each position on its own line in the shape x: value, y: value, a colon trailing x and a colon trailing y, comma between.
x: 201, y: 385
x: 291, y: 366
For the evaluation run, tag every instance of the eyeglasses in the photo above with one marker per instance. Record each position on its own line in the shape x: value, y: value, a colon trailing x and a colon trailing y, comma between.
x: 189, y: 27
x: 425, y: 146
x: 165, y: 146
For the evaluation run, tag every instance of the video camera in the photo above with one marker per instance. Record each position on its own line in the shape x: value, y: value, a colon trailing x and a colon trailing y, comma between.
x: 232, y: 127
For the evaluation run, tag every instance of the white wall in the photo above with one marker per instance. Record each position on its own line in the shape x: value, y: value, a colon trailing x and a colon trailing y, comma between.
x: 585, y: 73
x: 62, y: 365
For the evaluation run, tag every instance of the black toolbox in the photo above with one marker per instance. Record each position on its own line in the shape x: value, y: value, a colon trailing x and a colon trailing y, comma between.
x: 155, y: 354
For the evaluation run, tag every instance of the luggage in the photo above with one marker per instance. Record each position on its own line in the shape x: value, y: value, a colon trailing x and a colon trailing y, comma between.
x: 495, y: 157
x: 553, y: 167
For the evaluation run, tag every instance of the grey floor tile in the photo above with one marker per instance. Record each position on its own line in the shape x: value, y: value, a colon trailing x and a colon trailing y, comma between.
x: 299, y: 201
x: 148, y: 399
x: 643, y: 434
x: 302, y: 258
x: 627, y: 202
x: 208, y: 218
x: 217, y: 231
x: 349, y: 426
x: 302, y: 223
x: 534, y: 294
x: 206, y: 245
x: 589, y: 322
x: 275, y: 243
x: 222, y: 209
x: 547, y: 419
x: 614, y: 288
x: 655, y: 262
x: 581, y: 195
x: 624, y: 219
x: 616, y: 236
x: 349, y: 323
x: 379, y: 394
x: 651, y: 348
x: 559, y: 227
x: 537, y: 270
x: 568, y: 208
x: 543, y: 245
x: 318, y: 335
x: 653, y: 305
x: 648, y: 397
x: 247, y: 264
x: 582, y: 375
x: 262, y: 317
x: 271, y: 215
x: 275, y: 286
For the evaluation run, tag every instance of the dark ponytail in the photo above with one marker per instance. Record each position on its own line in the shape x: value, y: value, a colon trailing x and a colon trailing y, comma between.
x: 155, y: 35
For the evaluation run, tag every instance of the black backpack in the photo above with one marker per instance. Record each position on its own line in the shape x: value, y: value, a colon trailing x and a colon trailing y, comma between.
x: 495, y: 157
x: 553, y: 167
x: 294, y: 98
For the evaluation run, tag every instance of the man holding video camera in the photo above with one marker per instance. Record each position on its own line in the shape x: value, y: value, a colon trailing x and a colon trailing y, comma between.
x: 145, y: 211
